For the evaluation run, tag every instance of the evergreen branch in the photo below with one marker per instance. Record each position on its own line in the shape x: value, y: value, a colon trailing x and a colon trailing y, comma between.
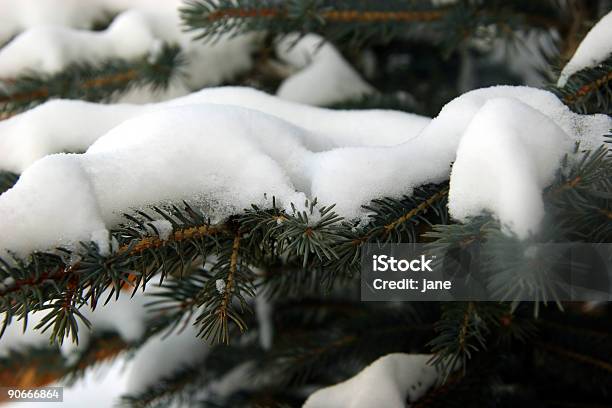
x: 422, y: 207
x: 316, y: 241
x: 581, y: 197
x: 179, y: 385
x: 229, y: 287
x: 183, y: 385
x: 332, y: 15
x: 61, y: 270
x: 92, y: 82
x: 305, y: 351
x: 41, y: 366
x: 390, y: 220
x: 581, y: 358
x: 223, y: 310
x: 63, y: 281
x: 31, y: 367
x: 589, y: 90
x: 359, y: 21
x: 462, y: 331
x: 179, y: 235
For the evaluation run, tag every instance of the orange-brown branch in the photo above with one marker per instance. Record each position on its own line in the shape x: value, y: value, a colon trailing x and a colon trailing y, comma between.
x: 98, y: 82
x: 341, y: 16
x: 581, y: 358
x: 588, y: 88
x: 142, y: 245
x: 222, y: 312
x: 417, y: 210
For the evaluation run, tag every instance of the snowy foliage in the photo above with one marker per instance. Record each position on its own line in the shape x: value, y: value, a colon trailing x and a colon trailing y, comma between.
x: 387, y: 382
x: 594, y: 49
x: 56, y: 34
x: 125, y: 316
x: 234, y: 157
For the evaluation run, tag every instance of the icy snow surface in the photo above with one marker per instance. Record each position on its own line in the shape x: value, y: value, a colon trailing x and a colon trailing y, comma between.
x: 594, y: 49
x: 231, y: 157
x: 387, y: 382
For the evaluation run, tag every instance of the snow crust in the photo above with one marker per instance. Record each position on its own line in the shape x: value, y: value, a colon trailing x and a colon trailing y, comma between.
x: 229, y: 157
x: 387, y: 382
x: 594, y: 49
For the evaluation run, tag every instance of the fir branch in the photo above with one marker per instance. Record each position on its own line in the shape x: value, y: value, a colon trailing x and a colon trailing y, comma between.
x: 462, y: 331
x: 390, y: 220
x: 41, y: 366
x: 99, y: 82
x: 589, y: 90
x: 223, y: 310
x: 581, y: 197
x: 359, y: 21
x: 31, y: 367
x: 422, y: 207
x: 62, y: 282
x: 224, y: 297
x: 580, y: 358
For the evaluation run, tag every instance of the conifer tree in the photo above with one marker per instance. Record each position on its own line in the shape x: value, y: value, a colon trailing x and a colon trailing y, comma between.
x: 211, y: 236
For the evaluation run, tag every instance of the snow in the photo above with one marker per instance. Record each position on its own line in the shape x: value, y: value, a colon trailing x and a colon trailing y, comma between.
x: 163, y: 228
x: 134, y: 33
x: 234, y: 157
x: 264, y: 311
x: 100, y: 387
x: 52, y: 34
x: 220, y: 286
x: 161, y: 356
x: 324, y: 77
x: 387, y: 382
x: 507, y: 173
x: 51, y: 48
x: 126, y: 316
x: 66, y: 125
x: 593, y: 50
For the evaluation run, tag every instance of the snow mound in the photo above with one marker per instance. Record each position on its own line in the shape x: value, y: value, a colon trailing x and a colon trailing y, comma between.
x: 593, y: 50
x: 324, y: 77
x: 506, y: 173
x: 387, y: 382
x: 65, y: 125
x: 229, y: 157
